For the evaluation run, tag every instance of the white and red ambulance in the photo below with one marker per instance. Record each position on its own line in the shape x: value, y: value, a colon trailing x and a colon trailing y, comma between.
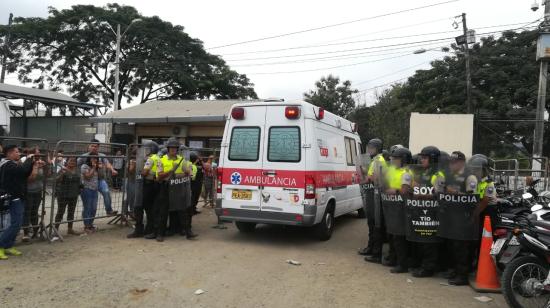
x: 288, y: 163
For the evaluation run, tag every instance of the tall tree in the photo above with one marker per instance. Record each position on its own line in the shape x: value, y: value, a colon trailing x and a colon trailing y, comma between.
x: 74, y: 50
x: 332, y: 95
x: 504, y: 78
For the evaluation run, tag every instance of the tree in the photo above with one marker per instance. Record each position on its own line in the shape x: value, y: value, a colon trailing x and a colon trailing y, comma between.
x: 332, y: 96
x: 74, y: 50
x: 505, y: 81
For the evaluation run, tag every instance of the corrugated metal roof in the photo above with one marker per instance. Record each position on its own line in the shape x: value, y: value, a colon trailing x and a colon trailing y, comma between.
x: 172, y: 111
x: 43, y: 96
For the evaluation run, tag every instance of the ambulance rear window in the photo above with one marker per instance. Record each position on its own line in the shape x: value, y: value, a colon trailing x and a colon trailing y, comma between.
x: 284, y: 144
x: 244, y: 144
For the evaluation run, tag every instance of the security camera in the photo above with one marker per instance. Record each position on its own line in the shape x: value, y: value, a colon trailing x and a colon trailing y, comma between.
x: 534, y: 6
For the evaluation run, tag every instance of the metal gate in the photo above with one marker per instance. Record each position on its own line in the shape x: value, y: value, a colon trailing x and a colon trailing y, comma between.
x: 95, y: 163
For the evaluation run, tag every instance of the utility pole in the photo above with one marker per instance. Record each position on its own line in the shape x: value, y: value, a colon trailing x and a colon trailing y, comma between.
x: 469, y: 106
x: 541, y: 98
x: 6, y: 49
x: 117, y: 63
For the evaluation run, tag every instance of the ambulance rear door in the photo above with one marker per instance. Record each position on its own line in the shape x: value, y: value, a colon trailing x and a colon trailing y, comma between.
x: 283, y: 180
x: 242, y: 171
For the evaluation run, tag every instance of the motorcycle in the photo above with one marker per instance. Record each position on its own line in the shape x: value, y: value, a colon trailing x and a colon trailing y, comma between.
x: 506, y: 246
x: 526, y: 279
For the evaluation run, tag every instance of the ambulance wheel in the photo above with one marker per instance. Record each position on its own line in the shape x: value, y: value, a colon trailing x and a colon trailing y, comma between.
x: 245, y: 227
x: 361, y: 213
x: 324, y: 229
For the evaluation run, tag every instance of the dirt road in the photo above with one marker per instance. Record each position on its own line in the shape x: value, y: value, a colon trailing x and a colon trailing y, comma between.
x: 235, y: 270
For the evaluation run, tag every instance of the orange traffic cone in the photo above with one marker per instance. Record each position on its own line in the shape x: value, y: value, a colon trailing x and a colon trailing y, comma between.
x: 486, y: 275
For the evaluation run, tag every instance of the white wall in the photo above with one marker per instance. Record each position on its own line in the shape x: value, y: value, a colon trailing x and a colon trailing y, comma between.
x: 448, y: 132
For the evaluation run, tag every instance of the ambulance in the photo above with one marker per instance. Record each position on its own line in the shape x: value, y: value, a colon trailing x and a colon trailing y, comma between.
x: 289, y: 163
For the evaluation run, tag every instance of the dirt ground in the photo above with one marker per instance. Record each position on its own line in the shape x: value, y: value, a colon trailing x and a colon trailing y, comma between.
x: 235, y: 270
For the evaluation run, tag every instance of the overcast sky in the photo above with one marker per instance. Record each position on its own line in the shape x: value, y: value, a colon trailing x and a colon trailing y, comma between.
x: 221, y: 22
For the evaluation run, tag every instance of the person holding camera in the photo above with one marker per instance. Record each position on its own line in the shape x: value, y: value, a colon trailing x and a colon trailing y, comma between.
x: 90, y: 171
x: 13, y: 180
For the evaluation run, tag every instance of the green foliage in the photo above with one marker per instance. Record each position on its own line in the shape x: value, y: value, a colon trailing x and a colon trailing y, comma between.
x: 74, y: 49
x: 504, y: 87
x: 332, y: 96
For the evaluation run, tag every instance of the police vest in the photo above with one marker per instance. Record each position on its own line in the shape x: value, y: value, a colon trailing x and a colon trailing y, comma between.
x: 153, y: 172
x: 381, y: 162
x: 169, y: 164
x: 427, y: 178
x: 482, y: 186
x: 395, y: 176
x: 194, y: 170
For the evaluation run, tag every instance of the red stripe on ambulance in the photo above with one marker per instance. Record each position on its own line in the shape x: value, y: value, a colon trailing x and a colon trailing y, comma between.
x: 286, y: 178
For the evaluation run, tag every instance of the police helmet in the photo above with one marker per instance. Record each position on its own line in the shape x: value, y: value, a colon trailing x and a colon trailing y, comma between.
x: 376, y: 143
x: 478, y: 161
x: 172, y: 143
x: 193, y: 156
x: 402, y: 153
x: 414, y: 159
x: 152, y: 146
x: 444, y: 159
x: 431, y: 152
x: 386, y: 155
x: 163, y: 151
x: 394, y: 147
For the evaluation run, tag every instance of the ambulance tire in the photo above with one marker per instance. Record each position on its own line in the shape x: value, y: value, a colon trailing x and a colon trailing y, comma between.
x: 361, y: 213
x: 324, y: 229
x: 245, y: 227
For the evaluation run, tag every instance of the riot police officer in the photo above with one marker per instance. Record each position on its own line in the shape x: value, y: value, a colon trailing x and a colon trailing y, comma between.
x: 149, y: 193
x: 428, y: 176
x: 373, y: 250
x: 399, y: 182
x: 459, y: 180
x: 171, y: 166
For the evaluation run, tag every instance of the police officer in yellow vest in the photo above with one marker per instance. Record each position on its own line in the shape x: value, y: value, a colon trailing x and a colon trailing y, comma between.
x: 150, y: 192
x: 399, y: 182
x: 374, y: 178
x: 427, y: 254
x: 170, y: 166
x: 459, y: 180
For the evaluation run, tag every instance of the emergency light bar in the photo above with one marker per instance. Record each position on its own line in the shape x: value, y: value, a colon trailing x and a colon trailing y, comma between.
x: 292, y: 112
x: 237, y: 113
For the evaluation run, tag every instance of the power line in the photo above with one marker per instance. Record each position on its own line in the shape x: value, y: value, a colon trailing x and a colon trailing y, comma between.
x: 334, y: 25
x: 328, y: 68
x: 364, y: 41
x: 363, y: 48
x: 392, y: 73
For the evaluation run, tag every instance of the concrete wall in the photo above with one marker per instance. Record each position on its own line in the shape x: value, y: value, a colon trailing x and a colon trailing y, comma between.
x: 448, y: 132
x: 54, y: 129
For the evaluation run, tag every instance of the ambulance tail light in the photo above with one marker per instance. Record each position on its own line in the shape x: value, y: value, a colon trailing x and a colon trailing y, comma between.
x: 237, y: 113
x: 321, y: 114
x: 310, y: 187
x: 219, y: 184
x: 292, y: 112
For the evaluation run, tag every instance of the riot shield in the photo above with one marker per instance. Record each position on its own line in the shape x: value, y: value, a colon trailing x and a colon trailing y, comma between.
x: 457, y: 219
x: 422, y: 219
x: 378, y: 217
x: 141, y: 158
x: 394, y: 213
x: 179, y: 193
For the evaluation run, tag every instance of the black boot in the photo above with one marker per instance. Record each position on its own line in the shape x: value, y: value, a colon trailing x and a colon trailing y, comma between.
x: 399, y: 270
x: 151, y: 236
x: 138, y: 232
x: 422, y: 273
x: 367, y: 251
x: 459, y: 280
x: 374, y: 258
x: 190, y: 235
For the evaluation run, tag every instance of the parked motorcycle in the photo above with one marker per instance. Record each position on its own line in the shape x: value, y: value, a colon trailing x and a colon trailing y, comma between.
x: 526, y: 281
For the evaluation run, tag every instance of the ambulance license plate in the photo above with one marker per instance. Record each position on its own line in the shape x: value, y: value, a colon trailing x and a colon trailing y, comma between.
x: 241, y: 194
